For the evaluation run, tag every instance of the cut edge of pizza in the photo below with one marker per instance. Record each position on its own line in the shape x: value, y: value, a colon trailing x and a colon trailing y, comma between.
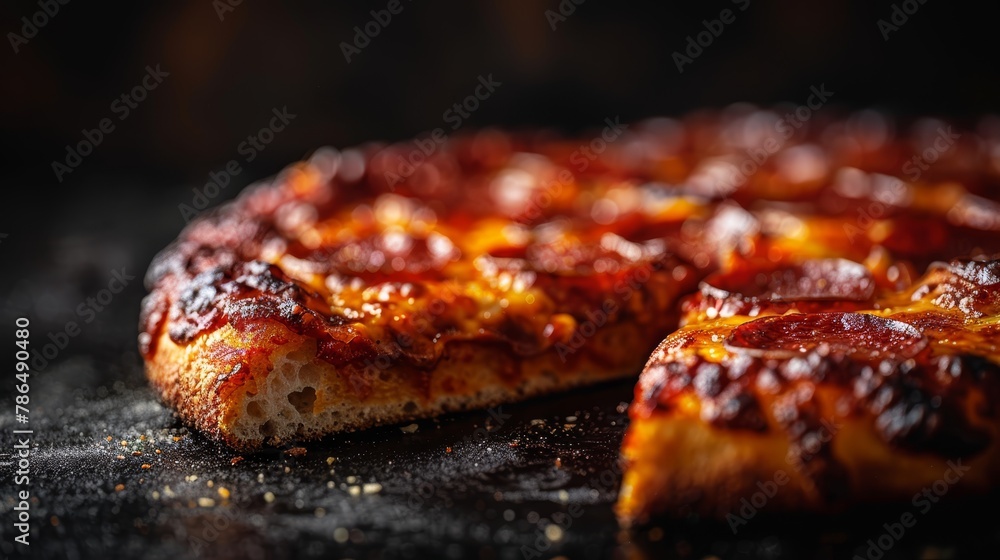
x: 262, y: 382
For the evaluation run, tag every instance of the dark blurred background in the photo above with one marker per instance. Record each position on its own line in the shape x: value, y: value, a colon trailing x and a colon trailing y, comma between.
x: 606, y: 58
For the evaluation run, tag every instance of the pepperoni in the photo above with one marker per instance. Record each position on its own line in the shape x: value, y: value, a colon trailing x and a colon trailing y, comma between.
x: 813, y: 280
x: 853, y: 334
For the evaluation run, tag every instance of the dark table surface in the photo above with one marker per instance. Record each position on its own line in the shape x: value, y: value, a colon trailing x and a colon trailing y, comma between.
x: 522, y: 481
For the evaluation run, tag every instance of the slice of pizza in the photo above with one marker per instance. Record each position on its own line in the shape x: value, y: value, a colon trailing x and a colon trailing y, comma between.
x: 814, y: 386
x: 335, y: 300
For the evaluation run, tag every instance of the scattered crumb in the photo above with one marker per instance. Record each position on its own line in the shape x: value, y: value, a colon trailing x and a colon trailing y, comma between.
x: 236, y: 460
x: 224, y: 492
x: 206, y: 502
x: 124, y: 443
x: 571, y: 418
x: 136, y: 453
x: 371, y: 488
x: 168, y: 492
x: 563, y: 496
x: 177, y: 438
x: 558, y: 463
x: 514, y: 443
x: 260, y: 478
x: 296, y: 451
x: 269, y: 497
x: 330, y: 460
x: 330, y: 484
x: 108, y: 438
x: 621, y: 408
x: 142, y: 438
x: 354, y: 490
x: 288, y: 470
x: 447, y: 450
x: 537, y: 422
x: 341, y: 535
x: 191, y: 478
x: 156, y: 495
x: 120, y: 457
x: 569, y: 426
x: 146, y: 466
x: 119, y: 487
x: 409, y: 429
x: 554, y: 532
x: 352, y: 479
x: 158, y: 451
x: 210, y: 483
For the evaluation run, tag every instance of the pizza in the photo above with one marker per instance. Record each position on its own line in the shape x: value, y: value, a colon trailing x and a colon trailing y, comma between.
x: 817, y: 300
x: 333, y: 300
x: 817, y: 390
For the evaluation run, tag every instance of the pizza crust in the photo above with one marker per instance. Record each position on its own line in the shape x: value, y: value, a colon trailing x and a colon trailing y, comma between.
x: 679, y: 465
x: 238, y: 387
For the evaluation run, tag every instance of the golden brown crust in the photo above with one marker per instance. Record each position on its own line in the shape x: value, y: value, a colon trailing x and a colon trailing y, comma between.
x: 216, y: 382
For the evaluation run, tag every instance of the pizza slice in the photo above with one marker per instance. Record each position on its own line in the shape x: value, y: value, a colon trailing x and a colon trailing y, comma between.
x: 323, y: 303
x: 812, y: 388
